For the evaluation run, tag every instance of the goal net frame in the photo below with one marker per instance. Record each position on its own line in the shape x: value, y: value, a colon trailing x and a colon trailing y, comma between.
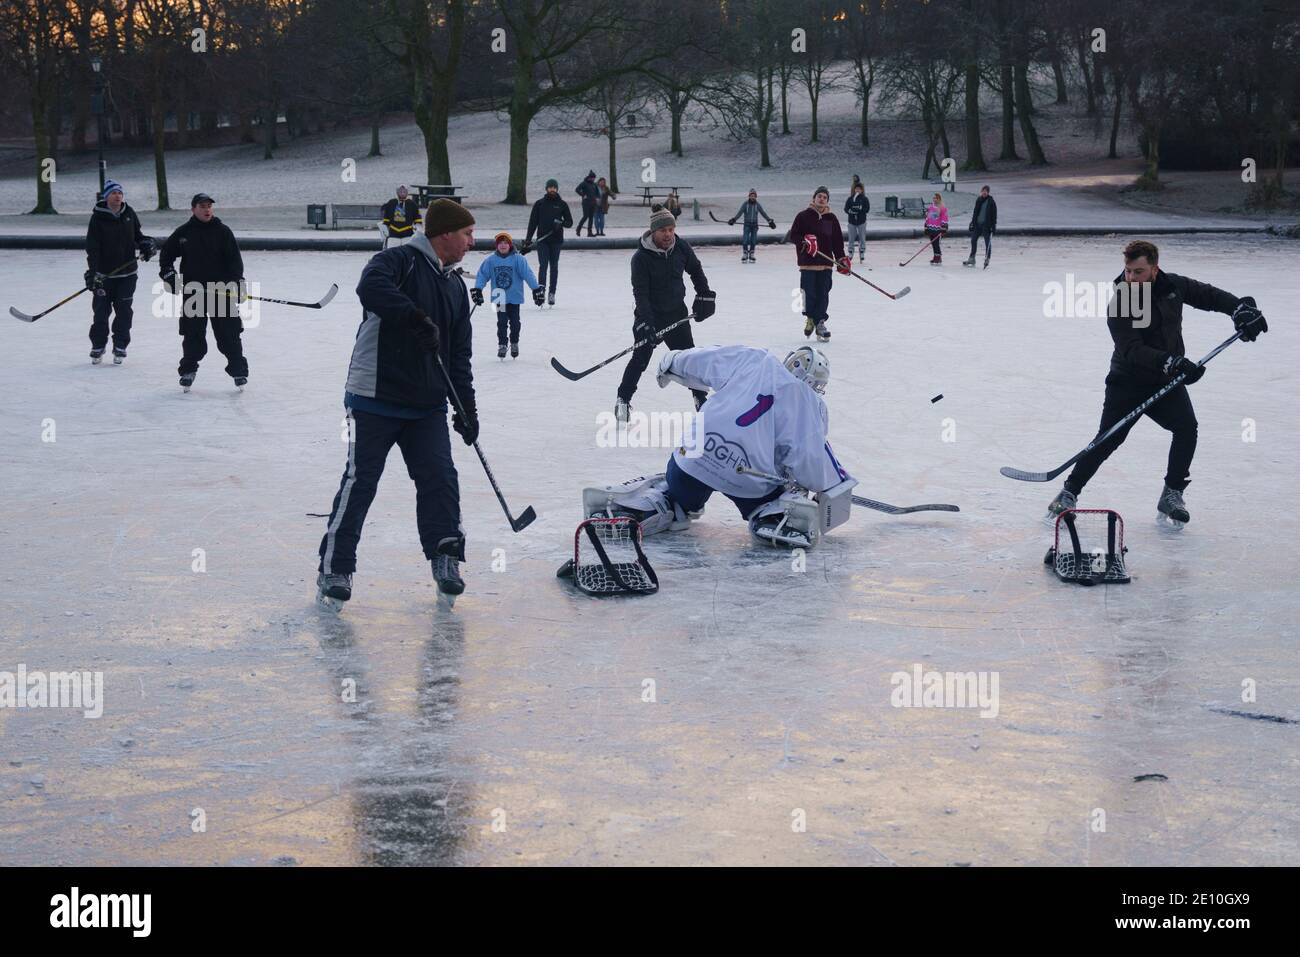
x: 1086, y: 560
x: 618, y: 566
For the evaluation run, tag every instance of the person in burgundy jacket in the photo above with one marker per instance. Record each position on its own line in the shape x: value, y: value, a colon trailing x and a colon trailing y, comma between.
x: 819, y: 244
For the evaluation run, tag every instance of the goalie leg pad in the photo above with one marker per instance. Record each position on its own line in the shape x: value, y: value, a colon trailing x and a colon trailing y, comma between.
x: 644, y: 499
x: 793, y: 521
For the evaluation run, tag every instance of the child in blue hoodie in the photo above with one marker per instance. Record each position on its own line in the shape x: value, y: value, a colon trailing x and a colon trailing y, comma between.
x: 507, y: 271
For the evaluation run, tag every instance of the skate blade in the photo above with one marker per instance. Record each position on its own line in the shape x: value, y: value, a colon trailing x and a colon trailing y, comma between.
x: 118, y: 360
x: 97, y: 361
x: 1164, y: 521
x: 446, y: 601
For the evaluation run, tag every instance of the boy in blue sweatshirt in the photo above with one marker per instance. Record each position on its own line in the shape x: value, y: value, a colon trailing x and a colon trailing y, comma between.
x: 507, y: 271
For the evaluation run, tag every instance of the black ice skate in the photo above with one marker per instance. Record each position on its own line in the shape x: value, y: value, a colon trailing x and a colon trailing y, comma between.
x: 986, y: 262
x: 96, y: 356
x: 332, y: 591
x: 446, y: 574
x: 550, y: 300
x: 808, y: 327
x: 187, y: 380
x: 1171, y: 510
x: 240, y: 382
x: 969, y: 262
x: 514, y: 350
x: 1064, y: 501
x: 501, y: 350
x: 823, y: 334
x: 119, y: 356
x: 622, y: 410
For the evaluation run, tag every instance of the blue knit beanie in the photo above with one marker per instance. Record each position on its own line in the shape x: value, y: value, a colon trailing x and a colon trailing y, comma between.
x: 113, y: 186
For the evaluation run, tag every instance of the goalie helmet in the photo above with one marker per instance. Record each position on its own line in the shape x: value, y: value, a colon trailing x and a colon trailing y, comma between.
x: 808, y: 365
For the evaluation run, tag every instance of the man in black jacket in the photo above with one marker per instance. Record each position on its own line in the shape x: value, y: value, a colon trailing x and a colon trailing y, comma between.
x: 660, y: 296
x: 399, y: 217
x: 211, y: 283
x: 983, y: 222
x: 1148, y: 353
x: 415, y: 308
x: 589, y: 193
x: 113, y: 240
x: 549, y: 218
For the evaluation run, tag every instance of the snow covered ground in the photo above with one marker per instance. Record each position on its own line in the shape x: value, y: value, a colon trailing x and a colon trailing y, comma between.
x: 515, y: 729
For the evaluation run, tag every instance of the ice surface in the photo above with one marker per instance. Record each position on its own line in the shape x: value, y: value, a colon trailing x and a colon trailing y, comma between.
x: 525, y: 707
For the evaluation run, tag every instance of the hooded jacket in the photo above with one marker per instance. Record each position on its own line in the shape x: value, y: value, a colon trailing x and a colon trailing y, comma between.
x: 657, y: 285
x: 751, y: 212
x: 112, y: 239
x: 990, y: 217
x: 387, y: 363
x: 1142, y: 347
x: 508, y: 275
x: 856, y: 208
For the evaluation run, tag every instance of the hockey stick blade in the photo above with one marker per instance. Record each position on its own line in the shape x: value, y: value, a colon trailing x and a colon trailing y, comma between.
x: 524, y: 520
x: 901, y: 509
x: 1022, y: 476
x: 571, y: 376
x: 655, y: 339
x: 13, y: 311
x: 320, y: 304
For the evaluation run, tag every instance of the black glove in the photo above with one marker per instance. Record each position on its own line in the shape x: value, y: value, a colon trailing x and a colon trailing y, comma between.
x: 424, y: 331
x: 169, y: 279
x: 526, y: 247
x: 539, y: 296
x: 771, y: 224
x: 466, y: 427
x: 731, y: 221
x: 1248, y: 320
x: 1181, y: 365
x: 704, y: 306
x: 476, y: 294
x: 94, y: 280
x: 147, y: 249
x: 642, y: 330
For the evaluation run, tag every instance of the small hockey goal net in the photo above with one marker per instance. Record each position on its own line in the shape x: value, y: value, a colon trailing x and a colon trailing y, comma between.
x: 1089, y: 547
x: 608, y: 560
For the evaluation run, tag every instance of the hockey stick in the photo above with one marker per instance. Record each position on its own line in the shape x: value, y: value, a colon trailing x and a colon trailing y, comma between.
x: 857, y: 499
x: 726, y: 222
x: 527, y: 246
x: 928, y: 244
x: 322, y: 303
x: 575, y: 376
x: 18, y: 314
x: 892, y: 295
x: 528, y: 516
x: 1177, y: 380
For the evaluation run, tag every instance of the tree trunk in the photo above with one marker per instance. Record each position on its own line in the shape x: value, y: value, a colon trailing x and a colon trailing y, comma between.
x: 1098, y: 75
x: 1008, y: 116
x: 1062, y: 95
x: 1087, y: 77
x: 374, y: 136
x: 864, y: 132
x: 521, y: 117
x: 1114, y: 122
x: 40, y: 110
x: 159, y: 118
x: 268, y: 133
x: 812, y: 101
x: 785, y: 103
x: 246, y: 127
x: 613, y: 158
x: 764, y: 119
x: 1027, y: 131
x: 676, y: 108
x: 1151, y: 172
x: 974, y: 148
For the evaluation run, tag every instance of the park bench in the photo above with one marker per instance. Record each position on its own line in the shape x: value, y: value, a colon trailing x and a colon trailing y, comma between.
x: 908, y: 205
x: 364, y: 212
x: 647, y: 192
x: 426, y: 193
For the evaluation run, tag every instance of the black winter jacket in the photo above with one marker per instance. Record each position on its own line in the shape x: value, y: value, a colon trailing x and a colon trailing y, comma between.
x: 991, y: 224
x: 112, y: 241
x: 1141, y: 349
x: 207, y: 252
x: 545, y: 211
x: 856, y: 208
x: 387, y: 364
x: 657, y: 285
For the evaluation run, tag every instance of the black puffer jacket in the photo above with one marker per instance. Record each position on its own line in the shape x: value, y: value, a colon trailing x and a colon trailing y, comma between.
x: 207, y: 252
x: 657, y: 284
x: 990, y: 218
x: 1143, y: 344
x: 542, y: 221
x: 112, y: 241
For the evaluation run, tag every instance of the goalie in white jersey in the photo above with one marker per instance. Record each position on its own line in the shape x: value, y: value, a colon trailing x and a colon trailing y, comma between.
x: 764, y: 415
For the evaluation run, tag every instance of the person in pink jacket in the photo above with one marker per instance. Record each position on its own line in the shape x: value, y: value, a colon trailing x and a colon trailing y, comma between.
x: 936, y: 227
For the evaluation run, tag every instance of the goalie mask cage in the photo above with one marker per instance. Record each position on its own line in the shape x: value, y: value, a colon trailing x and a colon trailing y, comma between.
x: 1089, y: 547
x: 608, y: 560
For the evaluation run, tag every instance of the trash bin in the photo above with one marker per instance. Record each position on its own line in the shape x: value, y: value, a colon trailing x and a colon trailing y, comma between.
x: 316, y: 215
x: 891, y: 205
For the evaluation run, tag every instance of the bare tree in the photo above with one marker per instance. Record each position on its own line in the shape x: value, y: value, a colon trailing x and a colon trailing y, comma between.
x: 428, y: 38
x: 864, y: 31
x: 814, y: 67
x: 32, y: 34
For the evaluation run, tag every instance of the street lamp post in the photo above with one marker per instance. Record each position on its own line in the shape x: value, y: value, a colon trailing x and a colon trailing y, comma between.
x: 97, y: 108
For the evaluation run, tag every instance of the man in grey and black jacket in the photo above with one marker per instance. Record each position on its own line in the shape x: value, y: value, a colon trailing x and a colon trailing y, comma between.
x: 749, y: 213
x: 660, y: 296
x: 414, y: 308
x: 1149, y: 352
x: 114, y: 240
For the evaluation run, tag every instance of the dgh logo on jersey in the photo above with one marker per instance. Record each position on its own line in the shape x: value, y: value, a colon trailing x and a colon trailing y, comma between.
x: 724, y: 453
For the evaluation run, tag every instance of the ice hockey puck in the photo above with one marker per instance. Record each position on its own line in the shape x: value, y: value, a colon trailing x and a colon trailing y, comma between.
x: 937, y: 398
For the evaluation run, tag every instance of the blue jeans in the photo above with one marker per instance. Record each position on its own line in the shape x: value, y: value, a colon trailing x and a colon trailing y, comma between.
x: 691, y: 494
x: 600, y: 220
x: 749, y: 238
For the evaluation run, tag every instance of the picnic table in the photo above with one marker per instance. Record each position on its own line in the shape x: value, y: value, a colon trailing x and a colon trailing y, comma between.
x: 427, y: 193
x: 647, y: 192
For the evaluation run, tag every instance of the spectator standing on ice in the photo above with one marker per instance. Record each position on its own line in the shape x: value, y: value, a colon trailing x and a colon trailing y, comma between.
x: 983, y: 222
x: 602, y: 205
x: 589, y: 193
x: 113, y: 241
x: 749, y: 213
x: 936, y: 227
x: 400, y: 216
x: 413, y: 309
x: 856, y: 208
x: 549, y: 218
x: 508, y: 272
x: 815, y: 234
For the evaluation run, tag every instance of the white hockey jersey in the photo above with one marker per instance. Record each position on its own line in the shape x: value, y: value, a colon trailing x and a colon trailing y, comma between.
x: 759, y: 416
